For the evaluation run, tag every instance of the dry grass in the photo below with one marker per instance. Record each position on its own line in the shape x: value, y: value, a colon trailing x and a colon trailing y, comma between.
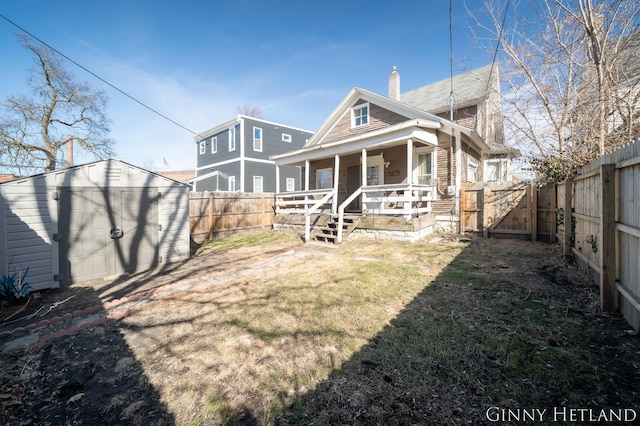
x: 373, y: 332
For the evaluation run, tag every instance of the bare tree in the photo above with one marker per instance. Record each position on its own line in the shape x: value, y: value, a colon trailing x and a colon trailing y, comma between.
x: 250, y: 110
x: 33, y: 130
x: 567, y: 84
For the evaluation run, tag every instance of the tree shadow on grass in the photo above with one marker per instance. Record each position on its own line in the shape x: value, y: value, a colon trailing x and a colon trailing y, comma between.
x: 87, y: 377
x: 499, y: 328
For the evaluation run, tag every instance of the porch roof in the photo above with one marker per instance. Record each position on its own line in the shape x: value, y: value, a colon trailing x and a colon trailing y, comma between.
x: 418, y: 130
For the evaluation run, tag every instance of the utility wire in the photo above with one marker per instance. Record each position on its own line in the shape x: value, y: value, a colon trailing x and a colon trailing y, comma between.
x: 495, y: 52
x: 98, y: 77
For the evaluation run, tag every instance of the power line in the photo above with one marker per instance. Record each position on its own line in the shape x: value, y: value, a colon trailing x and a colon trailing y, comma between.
x: 98, y: 77
x: 495, y: 52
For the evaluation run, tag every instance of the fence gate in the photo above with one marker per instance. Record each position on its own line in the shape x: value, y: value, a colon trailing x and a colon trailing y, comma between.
x: 507, y: 211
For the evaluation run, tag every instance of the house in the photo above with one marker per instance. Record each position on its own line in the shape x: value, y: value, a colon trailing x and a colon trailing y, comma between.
x: 97, y: 220
x: 235, y: 156
x: 386, y: 165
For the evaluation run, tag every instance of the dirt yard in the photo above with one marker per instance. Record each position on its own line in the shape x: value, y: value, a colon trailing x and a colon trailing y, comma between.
x: 273, y: 331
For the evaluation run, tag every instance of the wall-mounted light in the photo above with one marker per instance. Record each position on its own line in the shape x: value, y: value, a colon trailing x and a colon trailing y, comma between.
x: 387, y: 164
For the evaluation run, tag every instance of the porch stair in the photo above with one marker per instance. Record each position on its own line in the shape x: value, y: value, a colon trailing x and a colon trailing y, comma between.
x: 329, y: 232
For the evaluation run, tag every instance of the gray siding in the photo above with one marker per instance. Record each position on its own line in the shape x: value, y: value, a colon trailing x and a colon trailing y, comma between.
x: 223, y: 153
x: 268, y: 173
x: 272, y: 143
x: 30, y: 216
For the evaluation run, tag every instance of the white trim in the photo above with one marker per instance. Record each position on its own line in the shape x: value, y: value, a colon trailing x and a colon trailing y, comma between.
x: 359, y: 108
x: 421, y: 150
x: 261, y: 139
x: 214, y: 143
x: 232, y: 138
x: 261, y: 179
x: 221, y: 163
x: 375, y: 161
x: 242, y: 146
x: 291, y: 181
x: 202, y: 147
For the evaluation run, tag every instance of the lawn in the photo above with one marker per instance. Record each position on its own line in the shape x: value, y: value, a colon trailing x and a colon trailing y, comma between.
x: 442, y: 331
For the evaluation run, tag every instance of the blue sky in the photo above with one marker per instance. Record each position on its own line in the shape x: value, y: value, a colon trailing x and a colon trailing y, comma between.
x: 196, y: 62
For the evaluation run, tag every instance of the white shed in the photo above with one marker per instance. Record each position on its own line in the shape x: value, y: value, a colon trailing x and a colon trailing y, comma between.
x: 96, y: 220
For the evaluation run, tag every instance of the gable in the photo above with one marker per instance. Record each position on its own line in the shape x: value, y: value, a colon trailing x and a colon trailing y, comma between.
x: 379, y: 118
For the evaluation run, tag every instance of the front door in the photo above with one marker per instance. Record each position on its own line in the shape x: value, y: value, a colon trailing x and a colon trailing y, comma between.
x: 353, y: 183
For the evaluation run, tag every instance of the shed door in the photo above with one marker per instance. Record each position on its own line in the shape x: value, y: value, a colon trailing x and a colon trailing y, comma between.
x: 106, y: 232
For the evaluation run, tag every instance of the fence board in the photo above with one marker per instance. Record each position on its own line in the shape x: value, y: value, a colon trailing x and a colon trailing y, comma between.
x: 218, y: 214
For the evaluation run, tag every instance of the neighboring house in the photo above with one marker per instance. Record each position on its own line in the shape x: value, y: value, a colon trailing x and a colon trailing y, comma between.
x: 388, y: 156
x: 234, y: 156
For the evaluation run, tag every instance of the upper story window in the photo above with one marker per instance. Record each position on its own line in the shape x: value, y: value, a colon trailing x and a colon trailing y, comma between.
x: 203, y: 147
x: 286, y: 137
x: 214, y: 145
x: 232, y: 138
x: 360, y: 115
x: 493, y: 170
x: 257, y: 139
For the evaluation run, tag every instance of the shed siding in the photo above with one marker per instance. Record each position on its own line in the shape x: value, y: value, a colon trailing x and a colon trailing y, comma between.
x: 27, y: 234
x: 29, y: 216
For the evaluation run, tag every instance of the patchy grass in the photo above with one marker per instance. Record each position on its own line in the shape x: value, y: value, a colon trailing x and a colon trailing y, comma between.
x: 373, y: 332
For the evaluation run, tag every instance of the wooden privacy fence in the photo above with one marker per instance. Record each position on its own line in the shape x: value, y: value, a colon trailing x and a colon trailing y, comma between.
x: 595, y: 217
x: 605, y: 227
x: 217, y: 214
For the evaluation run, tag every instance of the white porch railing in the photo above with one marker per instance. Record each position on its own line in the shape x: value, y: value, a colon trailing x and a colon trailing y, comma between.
x: 391, y: 200
x: 407, y: 200
x: 306, y: 202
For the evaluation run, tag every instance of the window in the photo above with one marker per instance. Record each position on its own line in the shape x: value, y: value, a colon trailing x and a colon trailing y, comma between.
x: 425, y: 169
x: 324, y: 178
x: 257, y: 184
x: 257, y: 139
x: 493, y: 170
x: 203, y: 147
x: 214, y: 145
x: 232, y: 183
x: 286, y: 137
x: 360, y: 115
x: 472, y: 171
x: 291, y: 184
x: 232, y: 138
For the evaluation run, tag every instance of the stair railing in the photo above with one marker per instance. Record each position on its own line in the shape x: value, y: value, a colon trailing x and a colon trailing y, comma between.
x: 309, y: 211
x: 341, y: 208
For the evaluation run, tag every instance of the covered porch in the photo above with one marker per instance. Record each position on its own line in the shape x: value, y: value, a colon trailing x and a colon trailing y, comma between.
x: 391, y: 174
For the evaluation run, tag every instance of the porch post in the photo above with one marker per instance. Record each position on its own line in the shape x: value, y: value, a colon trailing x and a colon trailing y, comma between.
x: 277, y: 179
x: 409, y: 193
x: 363, y: 171
x: 336, y: 177
x: 306, y: 175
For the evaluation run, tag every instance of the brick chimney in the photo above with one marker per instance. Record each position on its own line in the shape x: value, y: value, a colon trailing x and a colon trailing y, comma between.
x: 69, y: 151
x: 394, y: 84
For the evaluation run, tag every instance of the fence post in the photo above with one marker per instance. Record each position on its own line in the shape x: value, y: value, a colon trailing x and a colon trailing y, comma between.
x: 484, y: 212
x: 607, y: 249
x: 533, y: 202
x: 568, y: 218
x: 553, y: 224
x: 210, y: 216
